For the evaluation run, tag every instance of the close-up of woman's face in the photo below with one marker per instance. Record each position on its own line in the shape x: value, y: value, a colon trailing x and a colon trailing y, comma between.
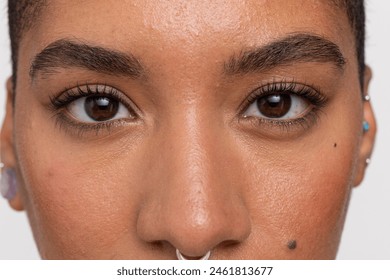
x: 140, y: 127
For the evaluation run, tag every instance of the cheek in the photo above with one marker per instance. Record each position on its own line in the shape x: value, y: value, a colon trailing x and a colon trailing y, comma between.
x: 76, y: 197
x: 299, y: 196
x: 73, y: 213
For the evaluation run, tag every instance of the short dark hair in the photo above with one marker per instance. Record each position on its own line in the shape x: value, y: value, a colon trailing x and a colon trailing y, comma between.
x: 357, y: 18
x: 22, y: 15
x: 21, y: 18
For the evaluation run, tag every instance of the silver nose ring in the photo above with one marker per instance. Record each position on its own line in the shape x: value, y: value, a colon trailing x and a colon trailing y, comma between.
x: 181, y: 257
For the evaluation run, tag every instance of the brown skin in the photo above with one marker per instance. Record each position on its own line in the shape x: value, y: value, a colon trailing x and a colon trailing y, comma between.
x: 190, y: 172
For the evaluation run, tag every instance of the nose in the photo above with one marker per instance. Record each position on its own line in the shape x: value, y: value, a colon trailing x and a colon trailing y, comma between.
x: 194, y: 200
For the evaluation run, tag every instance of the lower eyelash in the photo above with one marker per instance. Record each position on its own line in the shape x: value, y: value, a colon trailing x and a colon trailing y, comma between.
x: 286, y: 126
x: 78, y: 129
x: 305, y: 122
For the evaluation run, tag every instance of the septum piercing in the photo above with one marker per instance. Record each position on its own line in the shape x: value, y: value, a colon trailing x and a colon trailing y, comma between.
x: 181, y: 257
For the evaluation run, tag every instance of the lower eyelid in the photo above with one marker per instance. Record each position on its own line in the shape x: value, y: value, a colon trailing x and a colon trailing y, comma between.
x: 75, y: 128
x: 275, y: 127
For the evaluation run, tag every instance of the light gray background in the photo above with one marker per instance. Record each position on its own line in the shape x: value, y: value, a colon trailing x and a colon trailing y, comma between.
x: 367, y: 230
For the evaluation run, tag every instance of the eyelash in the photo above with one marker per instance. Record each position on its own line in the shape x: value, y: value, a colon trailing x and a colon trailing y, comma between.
x: 317, y: 100
x: 59, y: 103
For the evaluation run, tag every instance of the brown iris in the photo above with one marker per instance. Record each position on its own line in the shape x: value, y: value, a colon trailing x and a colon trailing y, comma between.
x: 101, y: 108
x: 275, y: 105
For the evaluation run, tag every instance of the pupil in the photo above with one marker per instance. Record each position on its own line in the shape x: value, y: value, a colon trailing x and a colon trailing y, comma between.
x: 101, y: 108
x: 274, y: 106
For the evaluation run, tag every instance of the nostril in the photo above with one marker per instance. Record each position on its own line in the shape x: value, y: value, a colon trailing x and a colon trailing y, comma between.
x: 180, y: 256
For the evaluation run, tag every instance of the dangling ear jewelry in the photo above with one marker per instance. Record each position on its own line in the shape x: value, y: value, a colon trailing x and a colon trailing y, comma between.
x: 366, y: 126
x: 181, y: 257
x: 8, y: 183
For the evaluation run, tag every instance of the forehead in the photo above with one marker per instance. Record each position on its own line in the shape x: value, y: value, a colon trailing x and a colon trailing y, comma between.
x: 192, y: 17
x: 187, y: 27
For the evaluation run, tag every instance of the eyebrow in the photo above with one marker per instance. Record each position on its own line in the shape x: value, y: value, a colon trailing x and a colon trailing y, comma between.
x: 295, y: 48
x: 68, y: 54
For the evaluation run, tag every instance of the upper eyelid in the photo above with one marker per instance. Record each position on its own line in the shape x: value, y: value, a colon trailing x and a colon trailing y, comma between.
x: 297, y: 88
x: 71, y: 94
x: 282, y: 86
x: 80, y: 91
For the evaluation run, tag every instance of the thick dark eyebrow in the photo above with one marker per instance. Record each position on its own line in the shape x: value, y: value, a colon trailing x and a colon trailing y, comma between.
x: 295, y: 48
x: 68, y: 54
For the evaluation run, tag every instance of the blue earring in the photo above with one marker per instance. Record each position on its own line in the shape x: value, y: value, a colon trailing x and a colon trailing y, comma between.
x: 8, y: 187
x: 366, y: 126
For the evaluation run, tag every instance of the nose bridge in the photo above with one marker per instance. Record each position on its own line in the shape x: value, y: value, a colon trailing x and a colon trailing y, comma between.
x: 193, y: 143
x: 196, y: 208
x: 195, y: 170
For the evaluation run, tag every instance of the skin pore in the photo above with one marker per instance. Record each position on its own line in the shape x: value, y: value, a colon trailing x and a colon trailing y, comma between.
x: 189, y: 161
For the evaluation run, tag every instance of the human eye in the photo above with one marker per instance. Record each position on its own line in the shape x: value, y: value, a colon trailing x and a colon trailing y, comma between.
x: 92, y: 107
x: 284, y: 103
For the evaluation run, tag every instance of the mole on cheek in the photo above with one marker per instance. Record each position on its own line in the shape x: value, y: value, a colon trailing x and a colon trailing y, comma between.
x: 335, y: 145
x: 292, y: 244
